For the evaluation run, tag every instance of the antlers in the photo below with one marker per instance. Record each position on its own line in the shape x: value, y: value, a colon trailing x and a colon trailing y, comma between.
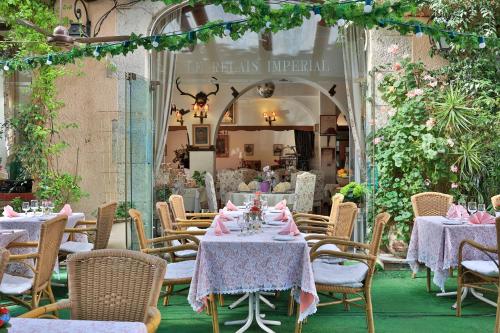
x: 201, y: 97
x: 216, y: 86
x: 177, y: 82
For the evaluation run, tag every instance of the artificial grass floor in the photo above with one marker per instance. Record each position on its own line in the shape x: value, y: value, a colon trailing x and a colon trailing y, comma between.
x: 400, y: 303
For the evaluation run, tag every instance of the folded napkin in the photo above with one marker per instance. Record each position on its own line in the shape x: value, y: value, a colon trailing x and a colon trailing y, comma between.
x: 223, y: 216
x: 8, y: 211
x: 220, y: 228
x: 66, y: 210
x: 231, y: 206
x: 242, y: 187
x: 281, y: 216
x: 281, y: 204
x: 290, y: 229
x: 481, y: 218
x: 457, y: 211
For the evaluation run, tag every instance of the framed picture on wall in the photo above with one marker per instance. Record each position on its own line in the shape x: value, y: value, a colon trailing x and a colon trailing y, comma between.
x: 277, y: 149
x: 230, y: 115
x: 201, y: 135
x: 222, y: 145
x: 328, y: 125
x: 248, y: 148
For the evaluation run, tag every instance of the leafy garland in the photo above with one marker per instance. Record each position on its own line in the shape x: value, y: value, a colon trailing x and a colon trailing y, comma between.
x: 260, y: 16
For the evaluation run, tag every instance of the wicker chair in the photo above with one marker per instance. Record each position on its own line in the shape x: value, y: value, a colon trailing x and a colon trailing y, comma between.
x: 101, y: 227
x: 4, y: 259
x: 211, y: 194
x: 51, y: 234
x: 478, y: 274
x: 183, y: 219
x: 430, y: 204
x: 96, y: 278
x: 305, y: 220
x: 348, y: 279
x: 495, y: 201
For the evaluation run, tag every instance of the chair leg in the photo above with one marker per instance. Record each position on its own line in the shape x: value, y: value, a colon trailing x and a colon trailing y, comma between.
x: 369, y: 311
x: 221, y: 300
x: 428, y: 280
x: 291, y: 304
x: 52, y: 298
x: 346, y: 304
x: 169, y: 290
x: 497, y: 321
x: 298, y: 325
x: 459, y: 295
x: 215, y: 315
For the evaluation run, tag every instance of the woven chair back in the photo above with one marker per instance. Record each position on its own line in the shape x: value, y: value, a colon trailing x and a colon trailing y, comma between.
x: 431, y: 204
x: 334, y: 212
x: 139, y: 227
x: 51, y: 234
x: 163, y: 211
x: 348, y: 212
x: 114, y: 285
x: 105, y: 219
x: 177, y: 205
x: 495, y: 201
x: 211, y: 194
x: 4, y: 259
x: 380, y: 222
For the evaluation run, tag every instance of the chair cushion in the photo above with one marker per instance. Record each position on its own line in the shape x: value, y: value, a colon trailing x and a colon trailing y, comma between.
x: 75, y: 247
x: 14, y: 285
x: 180, y: 270
x: 330, y: 259
x: 483, y: 267
x: 339, y: 275
x: 184, y: 253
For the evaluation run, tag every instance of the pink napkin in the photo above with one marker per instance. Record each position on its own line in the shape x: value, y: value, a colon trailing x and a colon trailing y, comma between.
x: 281, y: 204
x: 220, y: 228
x: 481, y: 218
x: 457, y: 211
x: 223, y: 217
x: 290, y: 229
x: 281, y: 216
x: 66, y: 210
x: 8, y: 211
x: 231, y: 206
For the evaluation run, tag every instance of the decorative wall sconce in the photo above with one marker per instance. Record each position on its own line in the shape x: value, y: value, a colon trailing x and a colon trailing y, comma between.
x: 270, y: 118
x: 200, y: 112
x: 179, y: 114
x: 200, y: 106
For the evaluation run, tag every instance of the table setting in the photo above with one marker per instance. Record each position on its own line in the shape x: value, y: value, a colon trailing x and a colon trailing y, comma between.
x: 253, y: 249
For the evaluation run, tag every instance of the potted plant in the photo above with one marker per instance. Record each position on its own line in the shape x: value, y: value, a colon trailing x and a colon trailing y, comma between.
x: 267, y: 176
x: 342, y: 177
x: 199, y: 177
x: 353, y: 192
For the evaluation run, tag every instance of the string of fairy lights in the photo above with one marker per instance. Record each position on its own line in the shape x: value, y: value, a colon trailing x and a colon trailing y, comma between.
x: 358, y: 12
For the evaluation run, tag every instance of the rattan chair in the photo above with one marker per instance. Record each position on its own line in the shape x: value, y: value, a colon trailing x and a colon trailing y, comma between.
x: 101, y: 228
x: 112, y: 285
x: 430, y: 204
x: 4, y: 259
x: 478, y: 274
x: 185, y: 220
x: 51, y: 234
x: 495, y: 201
x: 353, y: 279
x: 320, y: 224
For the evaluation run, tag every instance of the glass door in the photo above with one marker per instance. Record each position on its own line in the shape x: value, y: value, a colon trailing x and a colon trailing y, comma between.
x: 139, y: 152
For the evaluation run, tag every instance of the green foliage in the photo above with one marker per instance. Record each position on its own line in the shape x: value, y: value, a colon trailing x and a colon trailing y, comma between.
x: 17, y: 204
x: 61, y: 188
x: 353, y: 192
x: 122, y: 209
x: 162, y: 193
x: 199, y: 177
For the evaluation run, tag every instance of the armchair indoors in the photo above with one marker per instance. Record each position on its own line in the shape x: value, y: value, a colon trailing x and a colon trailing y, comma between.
x: 111, y: 285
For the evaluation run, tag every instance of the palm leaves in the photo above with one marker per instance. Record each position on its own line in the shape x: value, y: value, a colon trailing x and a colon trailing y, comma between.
x: 452, y: 112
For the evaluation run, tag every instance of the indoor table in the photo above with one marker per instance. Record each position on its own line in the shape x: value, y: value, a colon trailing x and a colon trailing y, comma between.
x: 238, y: 198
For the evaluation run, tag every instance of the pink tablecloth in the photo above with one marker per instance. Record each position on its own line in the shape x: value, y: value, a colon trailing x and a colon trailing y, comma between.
x: 25, y: 325
x: 436, y: 245
x: 233, y: 264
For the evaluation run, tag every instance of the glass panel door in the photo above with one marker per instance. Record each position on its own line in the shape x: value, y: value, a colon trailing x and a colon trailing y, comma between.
x: 139, y: 152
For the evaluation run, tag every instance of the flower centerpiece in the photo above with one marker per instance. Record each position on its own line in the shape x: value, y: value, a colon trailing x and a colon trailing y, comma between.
x: 267, y: 178
x: 4, y: 317
x: 342, y: 177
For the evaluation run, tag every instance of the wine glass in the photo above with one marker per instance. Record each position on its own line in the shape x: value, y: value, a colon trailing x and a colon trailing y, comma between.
x: 34, y: 206
x: 50, y: 206
x: 481, y: 207
x: 26, y: 207
x: 472, y: 207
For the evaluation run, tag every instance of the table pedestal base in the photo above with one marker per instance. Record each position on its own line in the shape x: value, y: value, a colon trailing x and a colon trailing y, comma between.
x: 465, y: 291
x: 254, y: 313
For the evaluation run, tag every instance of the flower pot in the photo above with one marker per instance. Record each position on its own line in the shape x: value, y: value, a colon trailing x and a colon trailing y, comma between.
x: 265, y: 186
x: 342, y: 181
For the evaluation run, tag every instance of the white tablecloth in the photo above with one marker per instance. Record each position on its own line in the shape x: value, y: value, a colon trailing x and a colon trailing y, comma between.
x: 9, y: 236
x: 232, y: 264
x: 238, y: 198
x: 32, y: 225
x: 436, y: 245
x: 27, y: 325
x: 193, y: 197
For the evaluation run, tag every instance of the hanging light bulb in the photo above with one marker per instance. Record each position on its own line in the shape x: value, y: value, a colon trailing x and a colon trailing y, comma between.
x: 155, y: 42
x: 418, y: 31
x: 482, y: 42
x: 227, y: 29
x: 97, y: 51
x: 6, y: 67
x: 368, y: 6
x: 49, y: 60
x: 341, y: 22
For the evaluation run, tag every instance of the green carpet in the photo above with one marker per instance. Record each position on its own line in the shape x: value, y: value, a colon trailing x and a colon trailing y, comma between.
x: 401, y: 304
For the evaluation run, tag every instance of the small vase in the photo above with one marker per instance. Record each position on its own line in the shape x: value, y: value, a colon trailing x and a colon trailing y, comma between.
x: 265, y: 186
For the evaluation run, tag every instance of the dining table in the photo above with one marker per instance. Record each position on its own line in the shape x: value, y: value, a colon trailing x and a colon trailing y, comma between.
x: 239, y: 198
x: 250, y: 264
x: 31, y: 325
x: 8, y: 236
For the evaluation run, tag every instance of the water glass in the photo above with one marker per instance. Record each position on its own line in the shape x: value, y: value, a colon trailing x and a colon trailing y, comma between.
x: 26, y: 207
x: 44, y: 207
x: 481, y: 207
x: 34, y: 206
x: 50, y: 206
x: 472, y: 207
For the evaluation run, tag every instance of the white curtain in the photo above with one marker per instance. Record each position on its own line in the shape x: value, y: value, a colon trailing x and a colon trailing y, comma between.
x: 163, y: 72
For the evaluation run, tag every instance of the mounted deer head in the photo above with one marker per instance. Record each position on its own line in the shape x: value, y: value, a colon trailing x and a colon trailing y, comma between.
x: 201, y: 98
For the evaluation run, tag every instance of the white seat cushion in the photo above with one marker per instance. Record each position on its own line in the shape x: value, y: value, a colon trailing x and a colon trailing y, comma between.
x: 14, y: 285
x: 330, y: 259
x: 180, y: 270
x: 184, y: 253
x: 488, y: 268
x: 339, y: 275
x: 75, y: 247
